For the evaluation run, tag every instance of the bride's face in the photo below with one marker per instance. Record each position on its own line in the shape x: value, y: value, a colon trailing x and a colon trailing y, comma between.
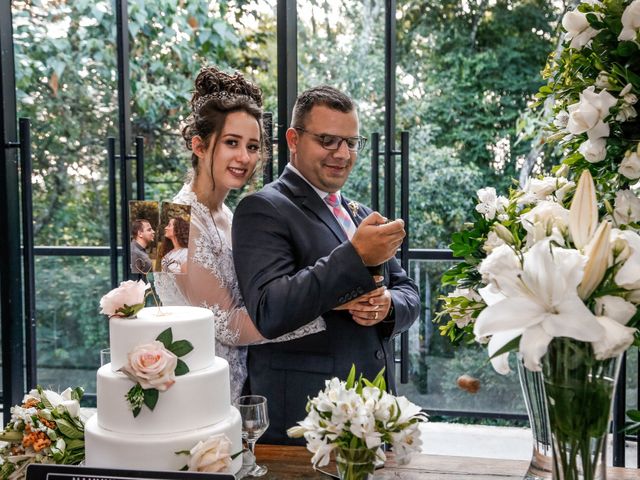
x: 237, y: 151
x: 168, y: 230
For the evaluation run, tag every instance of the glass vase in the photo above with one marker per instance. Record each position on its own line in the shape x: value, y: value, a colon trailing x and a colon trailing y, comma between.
x: 579, y: 391
x: 355, y: 463
x: 532, y: 385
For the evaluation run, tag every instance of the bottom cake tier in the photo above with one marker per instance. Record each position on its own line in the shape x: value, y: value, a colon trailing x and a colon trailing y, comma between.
x: 107, y: 449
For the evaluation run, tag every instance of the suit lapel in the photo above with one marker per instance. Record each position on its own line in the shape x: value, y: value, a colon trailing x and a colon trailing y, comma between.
x: 310, y: 200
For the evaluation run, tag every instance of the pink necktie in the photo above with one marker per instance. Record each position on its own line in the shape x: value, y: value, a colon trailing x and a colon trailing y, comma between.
x: 341, y: 215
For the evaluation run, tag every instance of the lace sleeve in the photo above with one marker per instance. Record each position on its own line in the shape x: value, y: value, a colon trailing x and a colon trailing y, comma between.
x: 211, y: 282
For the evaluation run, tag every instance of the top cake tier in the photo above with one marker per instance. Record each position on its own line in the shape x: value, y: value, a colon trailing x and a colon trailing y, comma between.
x: 194, y: 324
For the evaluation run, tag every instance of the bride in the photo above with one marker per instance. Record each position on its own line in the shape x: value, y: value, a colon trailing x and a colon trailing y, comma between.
x: 224, y: 132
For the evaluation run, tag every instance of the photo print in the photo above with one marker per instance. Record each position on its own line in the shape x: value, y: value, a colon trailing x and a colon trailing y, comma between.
x: 175, y: 222
x: 143, y: 232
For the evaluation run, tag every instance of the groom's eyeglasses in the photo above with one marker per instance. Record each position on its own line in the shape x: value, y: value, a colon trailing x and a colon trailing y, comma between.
x: 333, y: 142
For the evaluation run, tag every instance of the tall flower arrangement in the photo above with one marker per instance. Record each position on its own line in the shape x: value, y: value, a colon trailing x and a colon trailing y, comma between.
x: 553, y: 269
x: 584, y: 239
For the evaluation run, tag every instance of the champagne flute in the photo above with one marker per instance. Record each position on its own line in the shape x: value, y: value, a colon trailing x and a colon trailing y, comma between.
x: 255, y: 421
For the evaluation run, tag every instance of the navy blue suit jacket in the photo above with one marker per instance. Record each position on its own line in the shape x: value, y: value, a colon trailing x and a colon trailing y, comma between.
x: 295, y: 263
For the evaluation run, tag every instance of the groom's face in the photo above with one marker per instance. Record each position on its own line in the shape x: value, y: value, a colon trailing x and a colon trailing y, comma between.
x: 327, y: 170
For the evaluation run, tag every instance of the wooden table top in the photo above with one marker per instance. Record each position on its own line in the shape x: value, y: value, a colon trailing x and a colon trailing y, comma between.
x: 295, y: 463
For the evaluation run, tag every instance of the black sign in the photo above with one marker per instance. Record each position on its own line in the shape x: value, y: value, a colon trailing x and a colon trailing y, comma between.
x: 68, y: 472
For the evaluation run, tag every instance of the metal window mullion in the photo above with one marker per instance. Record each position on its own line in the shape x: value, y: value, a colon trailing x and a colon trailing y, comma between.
x: 11, y: 308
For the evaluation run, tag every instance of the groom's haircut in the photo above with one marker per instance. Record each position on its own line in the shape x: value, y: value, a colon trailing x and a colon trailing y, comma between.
x: 137, y: 226
x: 321, y: 95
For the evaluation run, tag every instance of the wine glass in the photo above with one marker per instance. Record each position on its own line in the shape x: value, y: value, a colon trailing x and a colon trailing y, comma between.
x: 255, y: 421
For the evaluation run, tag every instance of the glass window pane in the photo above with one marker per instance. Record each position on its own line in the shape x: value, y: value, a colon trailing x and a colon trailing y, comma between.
x: 435, y: 365
x: 70, y: 330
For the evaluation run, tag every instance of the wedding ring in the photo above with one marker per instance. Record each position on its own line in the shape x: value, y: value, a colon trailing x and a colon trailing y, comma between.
x: 375, y: 315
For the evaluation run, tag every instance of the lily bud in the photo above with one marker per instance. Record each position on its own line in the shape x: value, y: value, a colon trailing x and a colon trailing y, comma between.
x: 503, y: 233
x: 583, y: 214
x: 598, y: 252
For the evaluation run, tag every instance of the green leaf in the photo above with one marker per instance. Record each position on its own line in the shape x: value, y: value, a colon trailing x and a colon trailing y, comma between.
x: 180, y: 348
x: 151, y: 397
x: 183, y: 452
x: 508, y: 347
x: 181, y: 368
x: 69, y: 430
x: 166, y: 338
x: 352, y: 376
x: 136, y: 411
x: 77, y: 393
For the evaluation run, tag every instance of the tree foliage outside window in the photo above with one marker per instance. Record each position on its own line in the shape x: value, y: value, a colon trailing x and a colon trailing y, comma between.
x: 465, y: 75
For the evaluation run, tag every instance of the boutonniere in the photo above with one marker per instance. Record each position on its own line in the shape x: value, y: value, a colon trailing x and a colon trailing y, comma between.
x: 354, y: 206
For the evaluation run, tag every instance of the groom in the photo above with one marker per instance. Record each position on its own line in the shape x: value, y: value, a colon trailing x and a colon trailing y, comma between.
x: 301, y: 250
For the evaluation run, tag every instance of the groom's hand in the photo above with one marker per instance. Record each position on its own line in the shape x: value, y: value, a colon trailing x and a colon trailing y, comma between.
x: 376, y: 241
x: 361, y: 299
x: 372, y: 310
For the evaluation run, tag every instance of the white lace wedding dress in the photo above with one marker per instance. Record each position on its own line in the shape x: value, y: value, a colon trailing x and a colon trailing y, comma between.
x: 211, y: 282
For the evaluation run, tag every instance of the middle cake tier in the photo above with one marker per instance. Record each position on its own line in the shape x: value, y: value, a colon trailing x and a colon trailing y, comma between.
x: 196, y: 400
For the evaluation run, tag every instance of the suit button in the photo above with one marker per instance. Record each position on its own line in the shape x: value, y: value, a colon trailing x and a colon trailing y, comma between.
x: 341, y: 300
x: 379, y: 354
x: 360, y: 291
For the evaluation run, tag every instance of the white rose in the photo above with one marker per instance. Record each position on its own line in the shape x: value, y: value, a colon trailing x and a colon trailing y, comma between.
x: 588, y: 114
x: 578, y: 29
x: 630, y: 98
x: 152, y: 366
x: 211, y: 456
x: 129, y: 293
x: 630, y: 165
x: 630, y: 21
x: 594, y: 151
x: 627, y: 207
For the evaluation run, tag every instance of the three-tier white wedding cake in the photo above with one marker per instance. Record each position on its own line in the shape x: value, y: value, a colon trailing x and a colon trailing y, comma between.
x: 148, y: 419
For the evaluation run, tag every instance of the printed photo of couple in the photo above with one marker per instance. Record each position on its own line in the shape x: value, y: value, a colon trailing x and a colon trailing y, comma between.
x: 159, y: 237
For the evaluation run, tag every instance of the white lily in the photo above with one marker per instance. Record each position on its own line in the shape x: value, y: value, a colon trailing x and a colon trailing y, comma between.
x: 544, y: 303
x: 583, y: 214
x: 616, y: 308
x: 598, y: 252
x: 617, y: 338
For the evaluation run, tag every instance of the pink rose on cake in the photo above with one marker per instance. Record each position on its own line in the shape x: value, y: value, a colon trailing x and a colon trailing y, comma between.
x: 152, y: 366
x: 212, y: 455
x: 126, y: 300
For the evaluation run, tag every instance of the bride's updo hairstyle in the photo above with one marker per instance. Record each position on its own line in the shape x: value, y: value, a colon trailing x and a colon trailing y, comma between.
x: 216, y: 95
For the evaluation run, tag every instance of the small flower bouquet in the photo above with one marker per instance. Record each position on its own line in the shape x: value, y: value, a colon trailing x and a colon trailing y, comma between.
x: 46, y: 428
x: 354, y: 418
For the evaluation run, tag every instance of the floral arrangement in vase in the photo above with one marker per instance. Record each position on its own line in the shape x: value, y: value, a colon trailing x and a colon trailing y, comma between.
x: 553, y: 269
x: 354, y: 418
x: 46, y: 428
